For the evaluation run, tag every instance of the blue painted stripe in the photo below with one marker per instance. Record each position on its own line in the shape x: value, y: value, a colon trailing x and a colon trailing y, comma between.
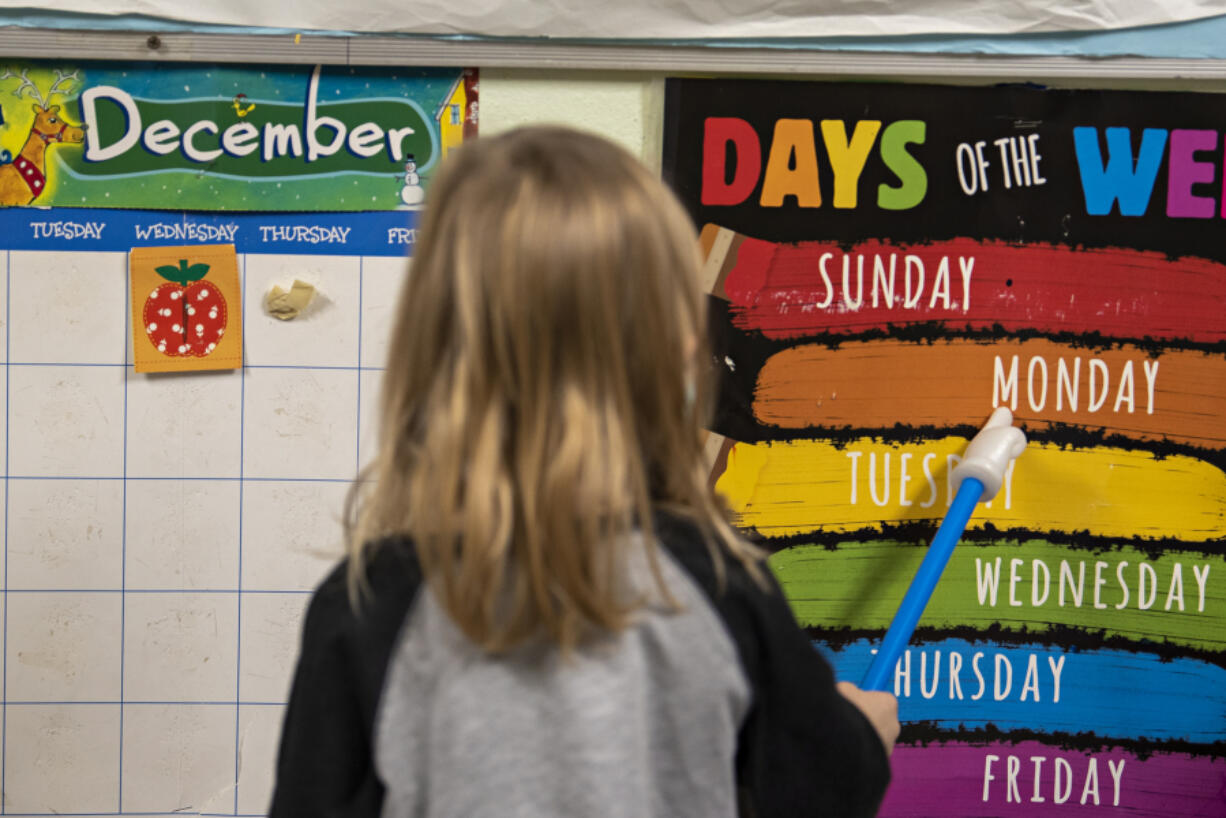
x: 1111, y: 693
x: 370, y: 233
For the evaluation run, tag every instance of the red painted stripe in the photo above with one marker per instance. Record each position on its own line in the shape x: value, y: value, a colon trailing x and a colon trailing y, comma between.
x: 778, y: 289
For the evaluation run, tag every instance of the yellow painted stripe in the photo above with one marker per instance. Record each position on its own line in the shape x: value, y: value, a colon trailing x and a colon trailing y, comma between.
x: 797, y: 487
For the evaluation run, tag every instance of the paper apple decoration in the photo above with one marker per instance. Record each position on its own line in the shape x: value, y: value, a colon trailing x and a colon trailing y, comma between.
x: 186, y: 316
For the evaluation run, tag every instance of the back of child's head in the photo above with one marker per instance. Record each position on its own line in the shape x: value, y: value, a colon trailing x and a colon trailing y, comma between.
x: 544, y: 386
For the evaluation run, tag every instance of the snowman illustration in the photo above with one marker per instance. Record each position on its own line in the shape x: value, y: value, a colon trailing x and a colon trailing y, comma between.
x: 412, y: 193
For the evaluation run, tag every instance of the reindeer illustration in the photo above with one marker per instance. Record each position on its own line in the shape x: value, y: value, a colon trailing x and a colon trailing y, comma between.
x: 24, y: 180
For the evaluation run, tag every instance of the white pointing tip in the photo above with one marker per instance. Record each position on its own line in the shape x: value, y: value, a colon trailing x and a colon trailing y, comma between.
x: 990, y: 452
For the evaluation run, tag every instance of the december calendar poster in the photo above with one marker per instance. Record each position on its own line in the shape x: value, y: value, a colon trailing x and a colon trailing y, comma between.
x: 889, y: 263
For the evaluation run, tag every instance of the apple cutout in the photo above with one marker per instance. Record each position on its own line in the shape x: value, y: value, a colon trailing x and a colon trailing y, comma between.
x: 186, y: 316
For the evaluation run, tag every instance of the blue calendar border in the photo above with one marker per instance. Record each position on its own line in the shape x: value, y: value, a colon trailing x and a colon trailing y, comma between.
x: 369, y: 233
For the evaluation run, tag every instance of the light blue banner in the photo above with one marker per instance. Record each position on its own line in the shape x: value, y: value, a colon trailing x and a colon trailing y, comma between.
x: 1194, y: 39
x: 373, y: 233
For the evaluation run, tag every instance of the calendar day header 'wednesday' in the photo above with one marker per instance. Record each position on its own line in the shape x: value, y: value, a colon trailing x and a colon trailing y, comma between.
x: 219, y: 138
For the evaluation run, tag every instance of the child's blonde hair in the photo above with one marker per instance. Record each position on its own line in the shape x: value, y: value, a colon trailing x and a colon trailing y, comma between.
x: 544, y: 391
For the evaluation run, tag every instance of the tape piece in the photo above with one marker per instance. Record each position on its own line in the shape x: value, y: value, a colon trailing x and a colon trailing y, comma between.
x: 287, y: 305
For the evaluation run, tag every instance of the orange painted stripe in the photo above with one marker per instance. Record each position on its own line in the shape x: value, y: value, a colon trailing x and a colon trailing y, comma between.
x: 1180, y: 395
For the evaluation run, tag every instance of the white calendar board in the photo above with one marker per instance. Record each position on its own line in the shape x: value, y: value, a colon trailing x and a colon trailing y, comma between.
x: 162, y: 533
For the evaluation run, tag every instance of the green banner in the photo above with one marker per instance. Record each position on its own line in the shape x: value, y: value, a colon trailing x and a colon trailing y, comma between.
x: 223, y: 138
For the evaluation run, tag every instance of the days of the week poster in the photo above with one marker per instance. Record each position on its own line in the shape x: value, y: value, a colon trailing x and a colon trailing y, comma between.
x: 888, y: 264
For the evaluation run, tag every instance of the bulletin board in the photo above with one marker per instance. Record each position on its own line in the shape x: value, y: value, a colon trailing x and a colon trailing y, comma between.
x: 890, y: 263
x: 163, y: 532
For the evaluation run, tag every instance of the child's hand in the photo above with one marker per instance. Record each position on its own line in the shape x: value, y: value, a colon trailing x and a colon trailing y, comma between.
x: 881, y: 710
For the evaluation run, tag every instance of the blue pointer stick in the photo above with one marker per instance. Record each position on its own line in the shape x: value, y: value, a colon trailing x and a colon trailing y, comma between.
x: 983, y: 466
x: 922, y: 586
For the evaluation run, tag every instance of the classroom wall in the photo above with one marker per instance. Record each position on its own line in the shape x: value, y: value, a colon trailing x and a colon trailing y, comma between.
x: 624, y: 106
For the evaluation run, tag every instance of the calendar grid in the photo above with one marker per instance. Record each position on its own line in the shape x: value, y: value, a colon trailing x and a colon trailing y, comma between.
x: 138, y: 591
x: 133, y: 814
x: 133, y: 479
x: 136, y: 702
x: 4, y: 643
x: 123, y: 561
x: 129, y: 366
x: 357, y: 445
x: 245, y: 366
x: 163, y: 711
x: 238, y: 654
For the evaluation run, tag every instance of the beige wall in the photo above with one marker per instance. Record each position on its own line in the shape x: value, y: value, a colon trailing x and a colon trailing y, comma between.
x: 625, y: 107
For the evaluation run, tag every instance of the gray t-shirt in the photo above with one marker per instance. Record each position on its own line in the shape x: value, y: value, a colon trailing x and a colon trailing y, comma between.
x: 717, y: 710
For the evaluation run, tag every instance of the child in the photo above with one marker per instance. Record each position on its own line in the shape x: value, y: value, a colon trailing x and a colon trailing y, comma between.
x: 543, y: 612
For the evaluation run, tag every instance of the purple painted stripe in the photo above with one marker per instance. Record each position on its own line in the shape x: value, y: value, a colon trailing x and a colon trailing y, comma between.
x: 948, y: 780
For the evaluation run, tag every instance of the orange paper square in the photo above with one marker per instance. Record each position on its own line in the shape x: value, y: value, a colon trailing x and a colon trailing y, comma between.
x: 186, y: 308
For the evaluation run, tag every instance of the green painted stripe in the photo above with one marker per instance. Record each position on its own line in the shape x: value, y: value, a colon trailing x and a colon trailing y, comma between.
x: 859, y: 585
